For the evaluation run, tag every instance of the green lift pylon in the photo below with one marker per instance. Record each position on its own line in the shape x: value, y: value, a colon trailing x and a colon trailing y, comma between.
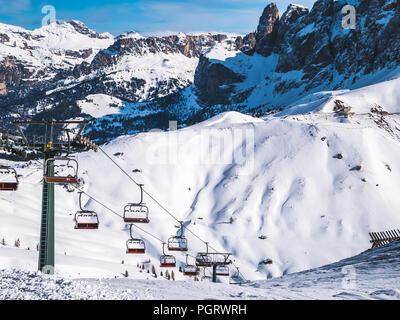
x: 20, y: 145
x: 46, y: 246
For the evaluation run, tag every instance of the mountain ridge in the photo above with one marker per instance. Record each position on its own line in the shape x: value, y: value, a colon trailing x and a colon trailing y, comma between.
x: 190, y: 78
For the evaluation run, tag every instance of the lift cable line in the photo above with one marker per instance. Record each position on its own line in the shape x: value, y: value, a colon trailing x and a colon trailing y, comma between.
x: 166, y: 260
x: 117, y: 214
x: 151, y: 197
x: 80, y: 143
x: 160, y: 205
x: 111, y: 210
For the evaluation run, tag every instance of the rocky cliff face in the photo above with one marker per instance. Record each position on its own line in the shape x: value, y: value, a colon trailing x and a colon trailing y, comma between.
x: 47, y: 72
x: 312, y: 51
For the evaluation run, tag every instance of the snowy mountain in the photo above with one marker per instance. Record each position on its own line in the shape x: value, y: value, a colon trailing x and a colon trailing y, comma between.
x: 30, y: 58
x: 49, y: 69
x: 286, y: 154
x: 190, y: 78
x: 301, y: 53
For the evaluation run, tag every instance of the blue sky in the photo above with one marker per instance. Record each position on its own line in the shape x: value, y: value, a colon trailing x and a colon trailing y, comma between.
x: 145, y: 16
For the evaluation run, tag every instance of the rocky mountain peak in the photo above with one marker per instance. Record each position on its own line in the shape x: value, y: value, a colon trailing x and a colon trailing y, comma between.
x: 293, y: 13
x: 73, y: 26
x: 268, y: 19
x: 267, y: 29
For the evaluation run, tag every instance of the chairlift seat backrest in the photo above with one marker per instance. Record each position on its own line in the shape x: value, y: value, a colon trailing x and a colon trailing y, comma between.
x: 8, y: 179
x: 177, y: 243
x: 167, y: 261
x: 86, y: 220
x: 222, y: 271
x: 65, y: 171
x: 203, y: 260
x: 135, y: 213
x: 190, y: 270
x: 135, y: 246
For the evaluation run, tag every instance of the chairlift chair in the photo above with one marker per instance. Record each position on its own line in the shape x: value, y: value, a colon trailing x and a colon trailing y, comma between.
x: 205, y: 277
x: 167, y: 260
x: 203, y: 259
x: 236, y: 278
x: 178, y: 243
x: 65, y: 171
x: 190, y: 270
x: 134, y: 245
x: 137, y: 212
x: 8, y: 179
x: 85, y: 219
x: 222, y: 271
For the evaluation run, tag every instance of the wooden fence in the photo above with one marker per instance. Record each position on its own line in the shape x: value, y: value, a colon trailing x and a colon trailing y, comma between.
x: 379, y: 239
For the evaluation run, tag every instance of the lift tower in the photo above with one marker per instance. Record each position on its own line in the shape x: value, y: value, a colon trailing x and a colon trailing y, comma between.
x: 49, y: 146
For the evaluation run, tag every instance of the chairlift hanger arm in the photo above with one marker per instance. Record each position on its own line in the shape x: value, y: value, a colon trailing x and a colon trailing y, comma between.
x: 80, y: 201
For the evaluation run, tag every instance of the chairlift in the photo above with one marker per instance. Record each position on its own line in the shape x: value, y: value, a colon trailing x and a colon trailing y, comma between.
x: 85, y: 219
x: 205, y: 277
x: 236, y: 278
x: 137, y: 212
x: 178, y: 243
x: 222, y: 271
x: 8, y: 179
x: 134, y: 245
x: 167, y: 260
x: 65, y: 171
x: 190, y: 270
x: 203, y: 259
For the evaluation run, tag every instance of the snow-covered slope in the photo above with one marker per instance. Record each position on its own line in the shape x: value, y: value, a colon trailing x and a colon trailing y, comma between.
x: 312, y: 206
x: 374, y: 274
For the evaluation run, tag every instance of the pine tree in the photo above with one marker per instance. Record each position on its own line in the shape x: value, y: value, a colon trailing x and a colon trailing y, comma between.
x: 153, y: 270
x: 173, y: 275
x: 126, y: 274
x: 17, y: 243
x: 3, y: 242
